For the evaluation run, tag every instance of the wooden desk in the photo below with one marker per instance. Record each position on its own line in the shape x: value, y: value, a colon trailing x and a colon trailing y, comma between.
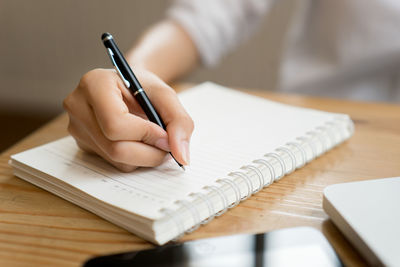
x: 38, y: 228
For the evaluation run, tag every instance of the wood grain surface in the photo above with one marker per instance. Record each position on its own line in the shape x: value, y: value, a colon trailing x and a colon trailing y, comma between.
x: 38, y: 228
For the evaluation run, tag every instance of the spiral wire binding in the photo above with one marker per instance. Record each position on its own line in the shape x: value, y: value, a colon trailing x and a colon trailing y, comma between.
x: 247, y: 180
x: 346, y: 120
x: 337, y: 122
x: 224, y: 199
x: 311, y: 145
x: 334, y: 125
x: 210, y: 205
x: 324, y: 133
x: 291, y: 156
x: 328, y: 133
x: 320, y: 136
x: 281, y: 162
x: 259, y: 175
x: 235, y: 188
x: 302, y: 153
x: 269, y: 167
x: 192, y: 209
x: 314, y: 135
x: 331, y: 134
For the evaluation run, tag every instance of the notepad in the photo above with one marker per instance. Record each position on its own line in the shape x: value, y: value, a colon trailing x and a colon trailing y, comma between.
x: 241, y: 144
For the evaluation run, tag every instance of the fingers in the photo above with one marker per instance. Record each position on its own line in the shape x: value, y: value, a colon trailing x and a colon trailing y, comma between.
x: 179, y: 124
x: 125, y: 151
x: 106, y: 119
x: 91, y: 148
x: 119, y: 153
x: 180, y: 131
x: 114, y: 118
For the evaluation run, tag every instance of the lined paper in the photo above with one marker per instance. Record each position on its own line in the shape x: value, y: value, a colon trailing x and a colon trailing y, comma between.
x: 231, y: 130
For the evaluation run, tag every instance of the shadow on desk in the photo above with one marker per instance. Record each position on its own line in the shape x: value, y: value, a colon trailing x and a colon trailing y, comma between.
x: 333, y: 234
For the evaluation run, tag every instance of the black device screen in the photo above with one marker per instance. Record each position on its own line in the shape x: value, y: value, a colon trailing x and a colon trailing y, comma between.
x: 301, y: 246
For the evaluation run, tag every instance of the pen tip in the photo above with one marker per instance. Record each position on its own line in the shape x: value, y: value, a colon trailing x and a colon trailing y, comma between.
x: 183, y: 168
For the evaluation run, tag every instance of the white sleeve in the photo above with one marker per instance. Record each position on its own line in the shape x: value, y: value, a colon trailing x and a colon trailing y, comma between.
x: 218, y: 26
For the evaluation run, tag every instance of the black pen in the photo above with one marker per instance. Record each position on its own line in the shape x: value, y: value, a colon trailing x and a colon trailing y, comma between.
x: 131, y: 82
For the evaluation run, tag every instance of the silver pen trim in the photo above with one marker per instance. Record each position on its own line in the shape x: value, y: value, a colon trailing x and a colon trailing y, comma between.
x: 138, y: 91
x: 111, y: 54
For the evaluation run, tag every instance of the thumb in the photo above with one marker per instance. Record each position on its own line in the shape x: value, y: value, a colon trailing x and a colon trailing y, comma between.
x: 179, y: 132
x: 179, y: 124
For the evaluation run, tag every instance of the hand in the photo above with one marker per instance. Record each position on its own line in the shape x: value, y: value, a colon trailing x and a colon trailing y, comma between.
x: 104, y: 118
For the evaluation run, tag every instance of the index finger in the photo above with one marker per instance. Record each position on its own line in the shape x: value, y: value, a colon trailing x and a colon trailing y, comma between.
x: 117, y: 123
x: 178, y: 122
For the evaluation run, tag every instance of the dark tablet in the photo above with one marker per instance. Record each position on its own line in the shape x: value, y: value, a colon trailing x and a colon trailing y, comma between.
x: 301, y: 246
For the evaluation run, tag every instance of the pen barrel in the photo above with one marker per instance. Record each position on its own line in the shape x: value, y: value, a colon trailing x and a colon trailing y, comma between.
x: 148, y: 108
x: 123, y: 65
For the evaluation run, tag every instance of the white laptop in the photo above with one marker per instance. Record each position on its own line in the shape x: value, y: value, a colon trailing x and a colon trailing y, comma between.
x: 368, y: 214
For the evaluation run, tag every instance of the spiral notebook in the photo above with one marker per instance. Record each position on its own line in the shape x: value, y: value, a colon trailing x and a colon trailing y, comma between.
x: 241, y: 144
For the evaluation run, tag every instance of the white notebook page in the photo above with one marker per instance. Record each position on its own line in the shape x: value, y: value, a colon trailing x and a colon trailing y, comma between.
x: 231, y: 130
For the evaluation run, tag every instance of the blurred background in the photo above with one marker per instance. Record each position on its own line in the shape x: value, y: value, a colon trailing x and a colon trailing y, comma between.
x: 46, y: 46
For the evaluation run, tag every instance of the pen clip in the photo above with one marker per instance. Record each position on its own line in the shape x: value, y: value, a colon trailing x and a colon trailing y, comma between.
x: 111, y: 54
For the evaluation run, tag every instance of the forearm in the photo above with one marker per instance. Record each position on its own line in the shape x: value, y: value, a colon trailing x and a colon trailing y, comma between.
x: 166, y: 50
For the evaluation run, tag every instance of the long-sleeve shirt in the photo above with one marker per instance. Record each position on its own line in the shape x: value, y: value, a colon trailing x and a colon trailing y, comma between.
x: 340, y: 48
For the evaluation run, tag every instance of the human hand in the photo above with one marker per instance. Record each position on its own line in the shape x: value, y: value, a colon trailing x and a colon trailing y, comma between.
x: 104, y: 118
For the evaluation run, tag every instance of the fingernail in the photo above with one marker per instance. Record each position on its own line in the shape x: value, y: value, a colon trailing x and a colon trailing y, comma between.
x: 185, y: 152
x: 163, y: 144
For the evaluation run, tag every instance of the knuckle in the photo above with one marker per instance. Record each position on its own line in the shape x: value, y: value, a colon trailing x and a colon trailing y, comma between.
x: 88, y: 78
x: 147, y: 130
x: 85, y: 80
x: 67, y: 103
x: 90, y: 74
x: 115, y: 151
x: 111, y: 130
